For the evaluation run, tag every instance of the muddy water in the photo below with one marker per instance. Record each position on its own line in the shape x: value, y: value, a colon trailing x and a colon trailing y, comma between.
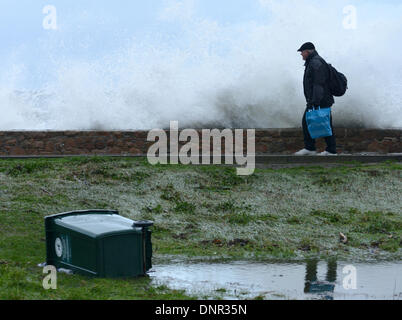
x: 310, y: 280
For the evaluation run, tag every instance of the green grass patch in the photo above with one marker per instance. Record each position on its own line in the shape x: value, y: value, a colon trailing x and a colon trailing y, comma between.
x: 28, y: 167
x: 184, y: 207
x: 199, y: 211
x: 170, y: 194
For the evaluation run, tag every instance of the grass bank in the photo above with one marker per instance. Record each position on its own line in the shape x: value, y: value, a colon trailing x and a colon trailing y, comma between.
x: 200, y: 213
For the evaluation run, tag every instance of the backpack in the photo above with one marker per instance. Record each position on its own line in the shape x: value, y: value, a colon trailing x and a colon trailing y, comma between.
x: 338, y: 83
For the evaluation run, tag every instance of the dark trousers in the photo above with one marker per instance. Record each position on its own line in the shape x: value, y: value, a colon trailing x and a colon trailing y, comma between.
x: 309, y: 143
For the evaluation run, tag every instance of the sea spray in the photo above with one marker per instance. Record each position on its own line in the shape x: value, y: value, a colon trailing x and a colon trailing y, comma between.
x: 206, y: 73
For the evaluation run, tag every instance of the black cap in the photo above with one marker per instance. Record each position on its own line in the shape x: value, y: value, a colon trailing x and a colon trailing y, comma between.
x: 307, y: 46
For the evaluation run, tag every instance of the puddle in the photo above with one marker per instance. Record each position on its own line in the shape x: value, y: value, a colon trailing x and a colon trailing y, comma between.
x: 311, y: 280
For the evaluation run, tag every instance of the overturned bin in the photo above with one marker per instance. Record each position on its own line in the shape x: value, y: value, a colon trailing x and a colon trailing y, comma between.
x: 98, y: 243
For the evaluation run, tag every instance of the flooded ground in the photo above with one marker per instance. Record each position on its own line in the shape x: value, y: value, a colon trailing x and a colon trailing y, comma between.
x: 311, y: 280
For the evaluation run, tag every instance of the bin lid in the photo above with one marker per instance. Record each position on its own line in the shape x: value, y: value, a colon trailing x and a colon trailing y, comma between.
x: 94, y: 223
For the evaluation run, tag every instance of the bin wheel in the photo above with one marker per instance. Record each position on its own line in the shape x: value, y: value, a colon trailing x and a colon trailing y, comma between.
x: 143, y: 224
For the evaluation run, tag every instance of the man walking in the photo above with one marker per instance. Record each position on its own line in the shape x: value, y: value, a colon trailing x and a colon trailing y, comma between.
x: 317, y: 93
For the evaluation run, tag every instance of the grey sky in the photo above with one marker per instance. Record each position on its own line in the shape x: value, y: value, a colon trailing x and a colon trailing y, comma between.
x: 88, y: 29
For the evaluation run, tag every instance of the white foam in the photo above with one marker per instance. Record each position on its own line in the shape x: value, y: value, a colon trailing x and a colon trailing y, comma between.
x: 211, y: 74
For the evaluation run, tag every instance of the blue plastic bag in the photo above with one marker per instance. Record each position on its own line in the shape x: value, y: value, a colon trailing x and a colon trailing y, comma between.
x: 319, y: 122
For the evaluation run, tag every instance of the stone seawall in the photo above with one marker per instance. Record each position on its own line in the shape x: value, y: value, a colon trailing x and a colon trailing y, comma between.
x: 133, y: 143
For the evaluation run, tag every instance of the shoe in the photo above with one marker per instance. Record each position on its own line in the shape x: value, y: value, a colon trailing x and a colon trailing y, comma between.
x: 326, y: 153
x: 305, y: 152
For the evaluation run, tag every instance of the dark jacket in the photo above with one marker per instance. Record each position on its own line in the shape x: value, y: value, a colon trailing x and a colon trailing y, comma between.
x: 315, y: 82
